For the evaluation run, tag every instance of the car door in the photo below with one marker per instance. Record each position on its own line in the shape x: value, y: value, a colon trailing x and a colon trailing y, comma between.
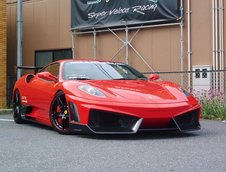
x: 44, y: 91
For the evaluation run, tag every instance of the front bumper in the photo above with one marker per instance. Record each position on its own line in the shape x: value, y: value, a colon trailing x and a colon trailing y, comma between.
x: 116, y: 118
x: 122, y: 124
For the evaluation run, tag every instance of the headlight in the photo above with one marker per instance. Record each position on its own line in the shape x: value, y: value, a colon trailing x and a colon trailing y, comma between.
x: 91, y: 90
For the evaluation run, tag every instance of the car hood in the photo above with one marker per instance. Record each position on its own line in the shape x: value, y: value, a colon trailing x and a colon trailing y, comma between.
x: 139, y: 91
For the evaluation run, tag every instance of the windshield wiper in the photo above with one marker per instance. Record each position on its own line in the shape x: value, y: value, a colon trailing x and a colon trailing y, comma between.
x: 120, y: 79
x: 79, y: 78
x: 142, y: 78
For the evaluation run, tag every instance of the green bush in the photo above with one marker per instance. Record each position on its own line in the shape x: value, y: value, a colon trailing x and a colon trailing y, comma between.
x: 213, y: 104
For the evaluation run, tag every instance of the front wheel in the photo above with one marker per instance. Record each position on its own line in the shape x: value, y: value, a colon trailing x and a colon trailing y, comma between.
x: 59, y: 114
x: 17, y: 108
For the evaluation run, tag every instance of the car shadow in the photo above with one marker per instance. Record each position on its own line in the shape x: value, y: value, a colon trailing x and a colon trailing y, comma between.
x: 138, y: 136
x: 142, y: 135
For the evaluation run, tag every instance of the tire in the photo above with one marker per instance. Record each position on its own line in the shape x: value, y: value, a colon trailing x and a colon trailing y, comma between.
x: 17, y: 108
x: 59, y: 114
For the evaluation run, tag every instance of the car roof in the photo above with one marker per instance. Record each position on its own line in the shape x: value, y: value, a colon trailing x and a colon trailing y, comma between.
x: 86, y: 60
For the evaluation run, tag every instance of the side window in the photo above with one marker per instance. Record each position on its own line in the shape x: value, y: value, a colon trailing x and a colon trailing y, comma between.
x: 53, y: 69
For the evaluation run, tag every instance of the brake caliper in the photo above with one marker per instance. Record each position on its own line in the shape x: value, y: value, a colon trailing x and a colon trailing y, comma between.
x: 65, y: 119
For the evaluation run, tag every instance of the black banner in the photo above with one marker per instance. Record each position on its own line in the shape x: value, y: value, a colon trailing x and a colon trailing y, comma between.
x: 88, y: 14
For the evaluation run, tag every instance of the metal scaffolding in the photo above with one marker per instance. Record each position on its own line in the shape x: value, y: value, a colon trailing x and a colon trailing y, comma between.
x: 126, y: 43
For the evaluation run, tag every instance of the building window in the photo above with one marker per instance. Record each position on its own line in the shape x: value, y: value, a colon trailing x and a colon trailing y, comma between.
x: 42, y: 58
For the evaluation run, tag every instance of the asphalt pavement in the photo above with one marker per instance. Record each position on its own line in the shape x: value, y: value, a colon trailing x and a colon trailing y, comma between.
x: 33, y: 147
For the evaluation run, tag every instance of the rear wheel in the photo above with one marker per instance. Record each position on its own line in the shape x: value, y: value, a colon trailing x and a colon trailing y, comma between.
x: 17, y: 108
x: 59, y: 114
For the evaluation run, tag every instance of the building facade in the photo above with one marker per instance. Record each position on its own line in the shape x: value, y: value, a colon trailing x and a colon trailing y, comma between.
x: 47, y: 36
x: 3, y: 22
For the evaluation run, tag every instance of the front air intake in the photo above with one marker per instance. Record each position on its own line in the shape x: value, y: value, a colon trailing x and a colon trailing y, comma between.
x: 188, y: 121
x: 104, y: 121
x: 74, y: 112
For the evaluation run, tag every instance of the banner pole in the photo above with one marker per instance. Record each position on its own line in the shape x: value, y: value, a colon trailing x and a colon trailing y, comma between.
x: 127, y: 45
x: 73, y: 45
x: 94, y: 44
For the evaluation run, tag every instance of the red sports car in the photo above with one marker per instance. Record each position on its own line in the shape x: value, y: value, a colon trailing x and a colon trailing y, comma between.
x: 102, y: 98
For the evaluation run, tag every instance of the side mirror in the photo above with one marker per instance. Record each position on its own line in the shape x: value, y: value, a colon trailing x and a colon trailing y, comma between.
x: 154, y: 77
x: 47, y: 76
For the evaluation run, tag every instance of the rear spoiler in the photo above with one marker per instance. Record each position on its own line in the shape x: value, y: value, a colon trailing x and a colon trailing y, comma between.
x: 29, y: 67
x: 35, y: 69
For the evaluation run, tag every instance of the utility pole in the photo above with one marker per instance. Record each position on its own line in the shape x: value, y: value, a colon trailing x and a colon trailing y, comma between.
x: 19, y: 36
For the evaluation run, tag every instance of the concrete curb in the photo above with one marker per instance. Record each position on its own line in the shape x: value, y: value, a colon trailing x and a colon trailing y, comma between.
x: 6, y: 111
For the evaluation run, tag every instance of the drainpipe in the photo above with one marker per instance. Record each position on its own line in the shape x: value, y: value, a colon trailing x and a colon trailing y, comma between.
x: 19, y: 36
x: 220, y: 48
x: 189, y: 43
x: 213, y: 41
x: 182, y: 41
x: 217, y: 43
x: 222, y: 20
x: 221, y: 42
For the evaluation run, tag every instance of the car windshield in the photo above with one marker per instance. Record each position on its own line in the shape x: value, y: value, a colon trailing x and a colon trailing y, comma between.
x: 100, y: 71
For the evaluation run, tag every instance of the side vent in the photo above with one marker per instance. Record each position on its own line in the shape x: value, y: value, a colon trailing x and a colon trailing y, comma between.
x: 74, y: 112
x: 29, y: 78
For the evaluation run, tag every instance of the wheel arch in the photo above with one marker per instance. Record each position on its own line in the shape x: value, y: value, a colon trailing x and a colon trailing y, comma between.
x: 14, y: 91
x: 60, y: 90
x: 53, y: 120
x: 51, y: 104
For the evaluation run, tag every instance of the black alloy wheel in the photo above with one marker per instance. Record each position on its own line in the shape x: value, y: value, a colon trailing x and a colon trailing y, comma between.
x: 17, y: 108
x: 59, y: 114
